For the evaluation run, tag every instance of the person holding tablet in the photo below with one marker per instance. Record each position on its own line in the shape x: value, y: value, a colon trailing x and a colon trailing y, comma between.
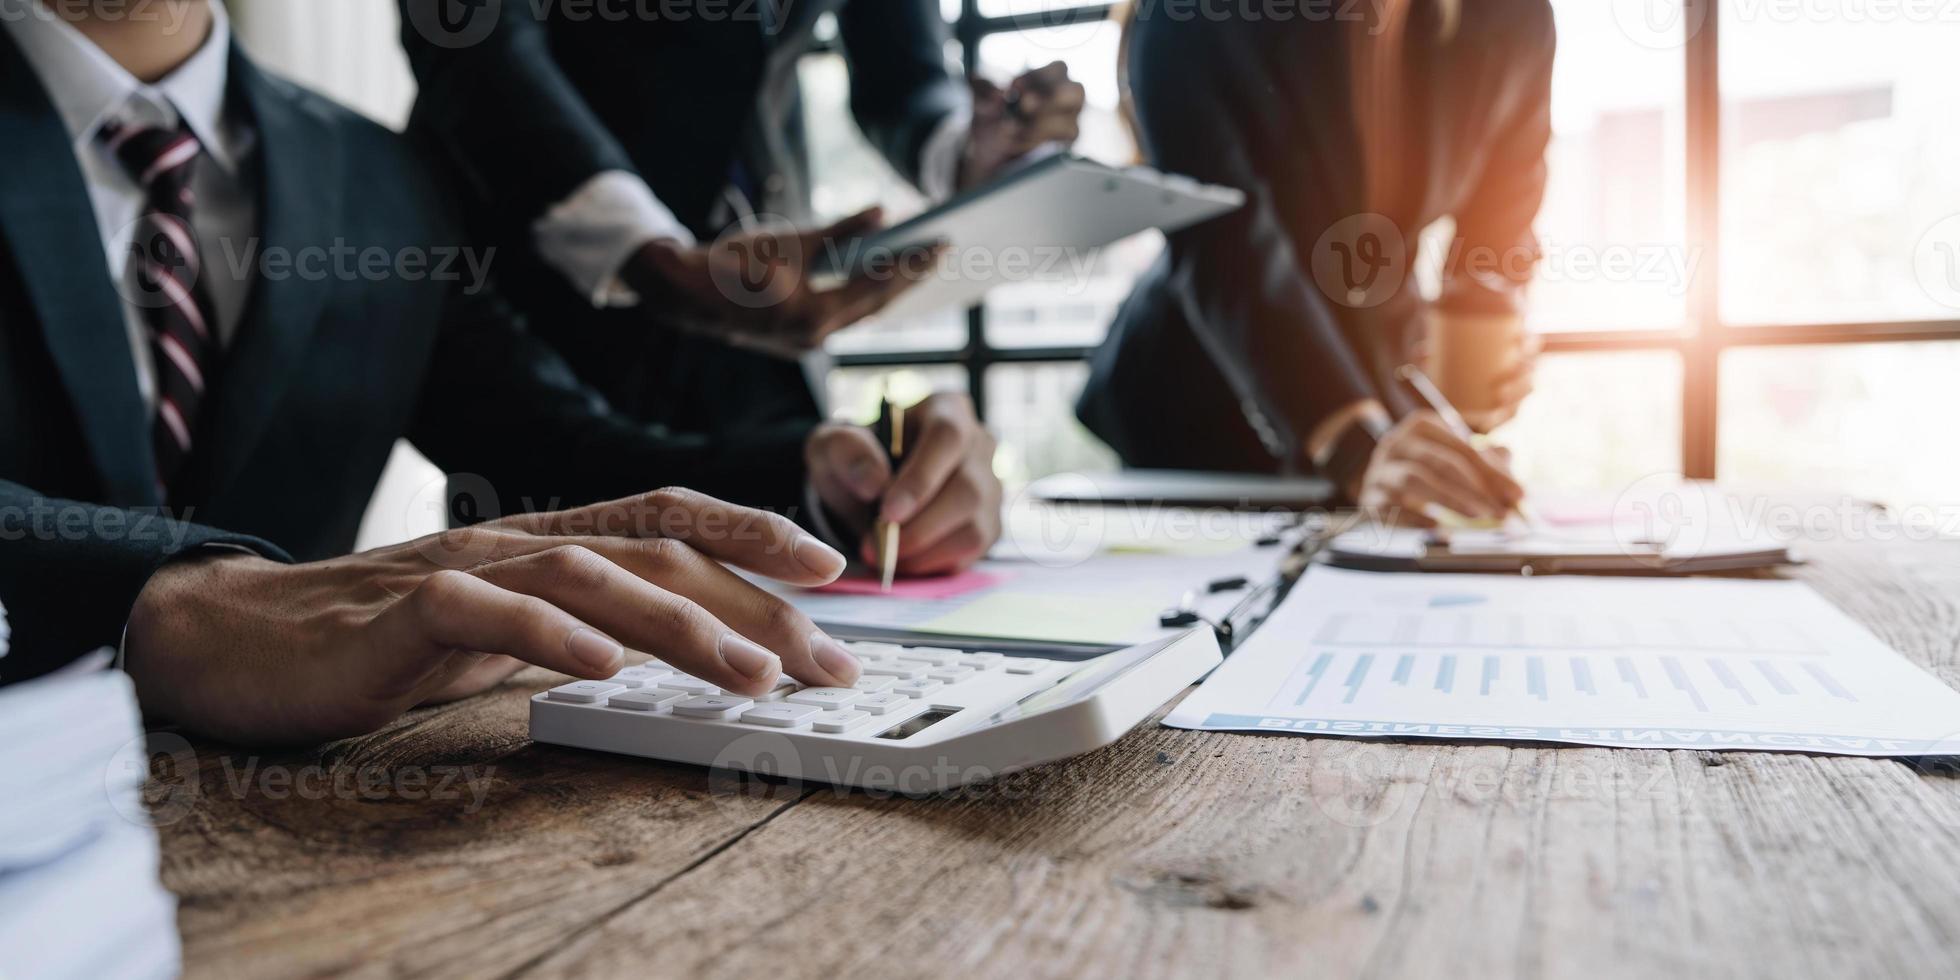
x: 1269, y: 339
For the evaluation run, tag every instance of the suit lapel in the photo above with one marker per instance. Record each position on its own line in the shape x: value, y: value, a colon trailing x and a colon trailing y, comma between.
x: 299, y: 167
x: 49, y: 224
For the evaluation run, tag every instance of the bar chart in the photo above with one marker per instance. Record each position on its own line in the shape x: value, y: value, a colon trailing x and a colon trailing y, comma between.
x: 1649, y: 663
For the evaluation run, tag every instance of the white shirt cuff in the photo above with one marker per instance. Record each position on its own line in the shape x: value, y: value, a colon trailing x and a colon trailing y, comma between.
x: 589, y: 235
x: 939, y: 159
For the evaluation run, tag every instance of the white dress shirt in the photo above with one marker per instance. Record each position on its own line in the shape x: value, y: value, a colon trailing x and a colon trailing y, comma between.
x: 89, y: 89
x: 588, y: 236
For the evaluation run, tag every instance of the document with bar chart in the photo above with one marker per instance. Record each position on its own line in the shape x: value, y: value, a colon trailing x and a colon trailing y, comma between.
x: 1654, y: 663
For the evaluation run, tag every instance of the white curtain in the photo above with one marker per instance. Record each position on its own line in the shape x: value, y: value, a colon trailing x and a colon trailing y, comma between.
x: 347, y: 49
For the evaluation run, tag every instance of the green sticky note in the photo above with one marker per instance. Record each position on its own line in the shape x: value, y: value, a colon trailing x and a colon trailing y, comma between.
x: 1058, y: 618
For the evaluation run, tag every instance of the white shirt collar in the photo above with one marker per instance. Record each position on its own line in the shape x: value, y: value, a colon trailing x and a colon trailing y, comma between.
x: 88, y: 88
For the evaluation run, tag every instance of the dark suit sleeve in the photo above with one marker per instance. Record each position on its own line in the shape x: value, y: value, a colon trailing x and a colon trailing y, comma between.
x: 521, y: 133
x: 1497, y: 249
x: 499, y: 408
x: 1241, y: 277
x: 900, y: 86
x: 70, y: 572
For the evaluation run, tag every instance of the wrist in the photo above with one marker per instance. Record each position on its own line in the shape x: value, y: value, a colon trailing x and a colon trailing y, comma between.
x: 173, y: 615
x: 1343, y: 445
x: 654, y: 267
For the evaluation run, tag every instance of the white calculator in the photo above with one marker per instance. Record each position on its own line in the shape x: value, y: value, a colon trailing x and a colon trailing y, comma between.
x: 919, y: 720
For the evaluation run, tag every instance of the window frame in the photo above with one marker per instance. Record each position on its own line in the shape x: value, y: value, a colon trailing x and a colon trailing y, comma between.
x: 1700, y: 342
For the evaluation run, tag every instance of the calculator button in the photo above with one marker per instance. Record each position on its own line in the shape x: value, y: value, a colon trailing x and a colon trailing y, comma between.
x: 692, y: 685
x: 919, y: 688
x: 784, y: 688
x: 646, y: 672
x: 840, y: 721
x: 585, y: 692
x: 931, y: 655
x: 716, y: 707
x: 900, y: 669
x: 873, y: 683
x: 951, y: 675
x: 1025, y: 665
x: 879, y: 704
x: 827, y: 698
x: 875, y: 651
x: 649, y: 700
x: 983, y: 661
x: 783, y: 715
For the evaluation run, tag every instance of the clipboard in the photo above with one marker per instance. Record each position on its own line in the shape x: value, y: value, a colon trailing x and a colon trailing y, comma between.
x: 1376, y: 549
x: 1041, y: 223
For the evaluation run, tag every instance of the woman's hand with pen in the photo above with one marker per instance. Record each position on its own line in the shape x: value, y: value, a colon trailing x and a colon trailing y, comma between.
x: 1422, y: 463
x: 1041, y: 106
x: 944, y: 496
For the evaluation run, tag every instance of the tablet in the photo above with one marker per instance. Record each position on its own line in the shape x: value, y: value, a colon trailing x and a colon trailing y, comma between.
x: 1045, y: 222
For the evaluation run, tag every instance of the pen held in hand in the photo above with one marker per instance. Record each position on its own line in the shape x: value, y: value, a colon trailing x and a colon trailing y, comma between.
x: 1432, y: 397
x: 887, y: 531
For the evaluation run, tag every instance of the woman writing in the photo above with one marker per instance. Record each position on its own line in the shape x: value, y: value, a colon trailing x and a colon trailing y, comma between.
x: 1269, y: 339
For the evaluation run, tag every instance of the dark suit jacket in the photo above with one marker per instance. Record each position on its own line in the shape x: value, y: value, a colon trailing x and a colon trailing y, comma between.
x: 1227, y: 354
x: 553, y: 96
x: 321, y: 378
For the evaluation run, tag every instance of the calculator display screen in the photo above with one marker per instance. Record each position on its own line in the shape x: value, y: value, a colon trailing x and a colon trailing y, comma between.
x: 1088, y: 677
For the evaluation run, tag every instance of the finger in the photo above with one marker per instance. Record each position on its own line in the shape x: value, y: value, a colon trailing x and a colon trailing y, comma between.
x: 856, y: 226
x: 1495, y: 481
x: 954, y: 551
x: 868, y: 292
x: 1515, y: 391
x: 955, y: 507
x: 761, y: 542
x: 1384, y: 500
x: 1446, y: 481
x: 1463, y: 482
x: 850, y: 456
x: 985, y: 91
x: 806, y: 653
x: 1042, y: 80
x: 931, y: 460
x: 453, y: 611
x: 649, y: 617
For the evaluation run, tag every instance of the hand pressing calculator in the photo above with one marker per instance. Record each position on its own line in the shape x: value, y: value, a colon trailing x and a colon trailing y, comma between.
x: 919, y: 720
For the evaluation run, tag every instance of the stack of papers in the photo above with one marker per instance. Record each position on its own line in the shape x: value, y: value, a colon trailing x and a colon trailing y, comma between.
x: 1637, y: 663
x: 79, y: 895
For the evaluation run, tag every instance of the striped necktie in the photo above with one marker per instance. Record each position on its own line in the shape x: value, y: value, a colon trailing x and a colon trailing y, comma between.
x: 163, y: 277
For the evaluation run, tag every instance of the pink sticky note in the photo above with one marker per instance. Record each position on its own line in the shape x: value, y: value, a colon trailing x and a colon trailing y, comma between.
x: 937, y: 587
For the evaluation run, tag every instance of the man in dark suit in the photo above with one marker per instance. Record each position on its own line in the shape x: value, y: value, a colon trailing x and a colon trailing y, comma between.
x: 1270, y: 339
x: 276, y: 309
x: 605, y: 147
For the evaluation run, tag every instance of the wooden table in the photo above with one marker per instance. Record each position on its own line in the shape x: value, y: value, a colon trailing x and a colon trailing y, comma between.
x: 1172, y: 853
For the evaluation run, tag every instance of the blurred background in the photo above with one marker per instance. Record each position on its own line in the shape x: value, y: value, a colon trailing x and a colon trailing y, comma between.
x: 1752, y: 242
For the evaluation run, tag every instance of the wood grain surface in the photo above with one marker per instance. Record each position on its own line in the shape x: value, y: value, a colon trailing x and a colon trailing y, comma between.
x: 1171, y: 853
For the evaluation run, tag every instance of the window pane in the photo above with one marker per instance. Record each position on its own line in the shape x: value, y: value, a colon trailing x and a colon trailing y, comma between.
x: 1599, y: 421
x: 846, y: 176
x: 1865, y: 419
x: 1839, y: 140
x: 1614, y: 214
x: 854, y: 391
x: 1072, y: 306
x: 1031, y: 408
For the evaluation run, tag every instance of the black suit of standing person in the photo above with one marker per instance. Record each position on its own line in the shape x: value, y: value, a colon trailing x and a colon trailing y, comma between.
x: 606, y: 151
x: 277, y: 307
x: 1245, y: 346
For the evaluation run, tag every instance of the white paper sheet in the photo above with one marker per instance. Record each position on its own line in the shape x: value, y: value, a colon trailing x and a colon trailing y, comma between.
x: 1642, y: 663
x: 79, y: 895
